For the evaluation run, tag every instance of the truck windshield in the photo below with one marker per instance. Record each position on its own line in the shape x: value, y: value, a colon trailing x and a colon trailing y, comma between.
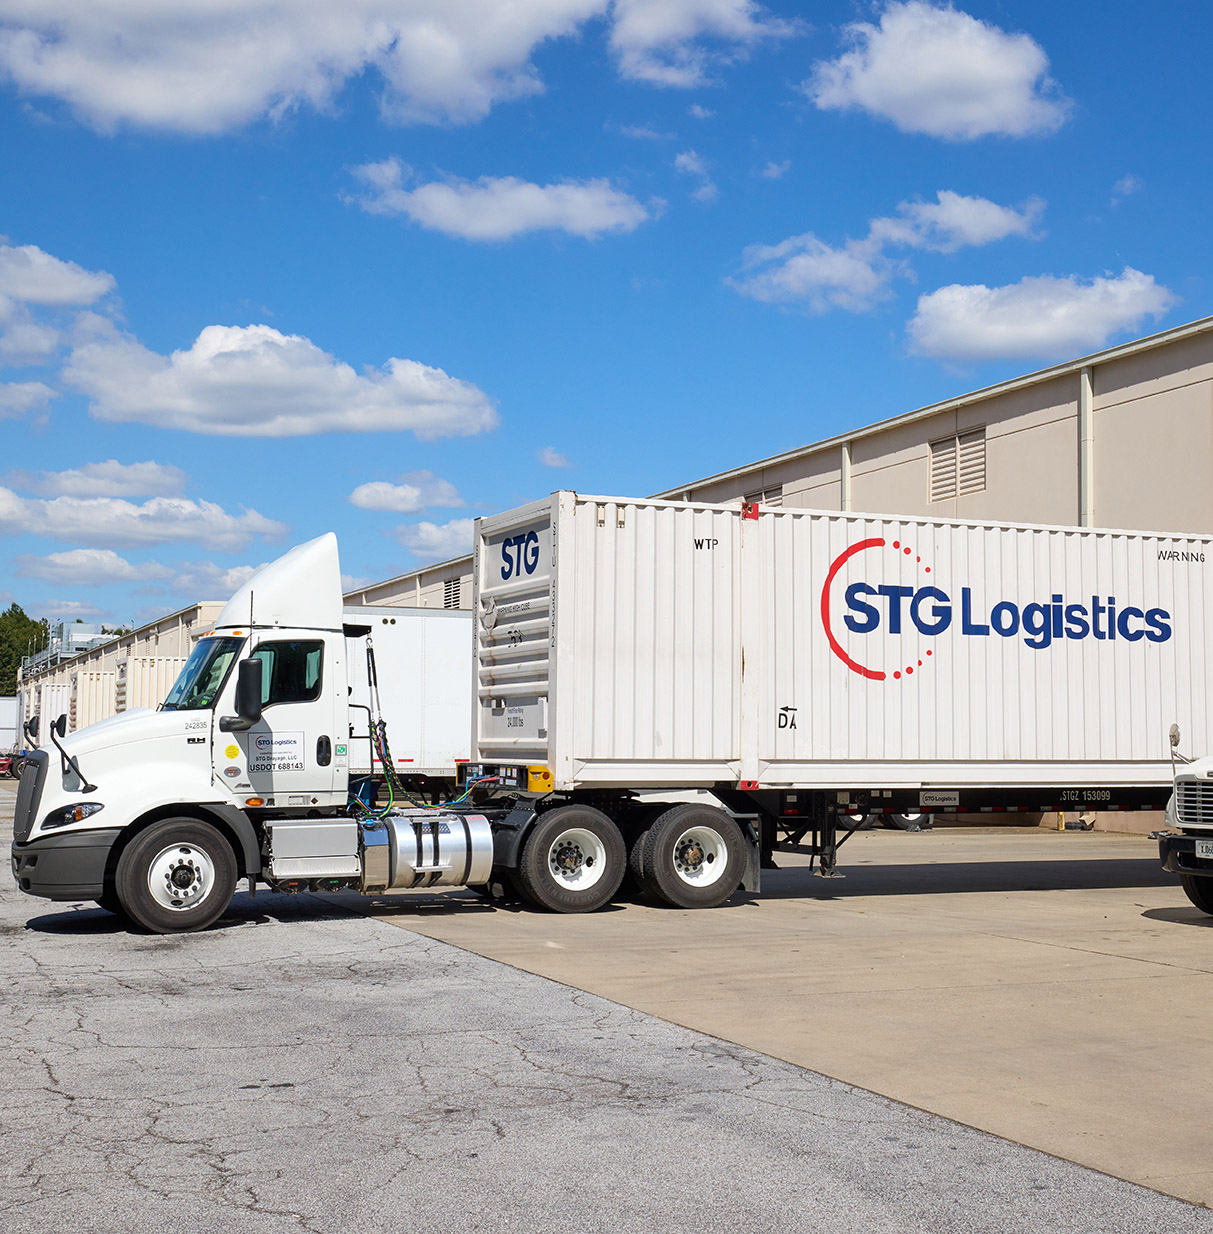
x: 203, y: 676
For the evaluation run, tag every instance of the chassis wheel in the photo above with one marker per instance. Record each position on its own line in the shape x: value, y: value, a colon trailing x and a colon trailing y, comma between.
x: 694, y: 856
x: 573, y: 860
x: 178, y: 875
x: 1199, y: 889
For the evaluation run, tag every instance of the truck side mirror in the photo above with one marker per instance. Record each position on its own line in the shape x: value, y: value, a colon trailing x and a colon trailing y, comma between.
x: 248, y: 698
x: 31, y: 727
x: 60, y: 726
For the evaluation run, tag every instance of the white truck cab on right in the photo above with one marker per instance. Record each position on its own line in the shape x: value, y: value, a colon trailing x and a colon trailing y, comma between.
x: 1188, y: 849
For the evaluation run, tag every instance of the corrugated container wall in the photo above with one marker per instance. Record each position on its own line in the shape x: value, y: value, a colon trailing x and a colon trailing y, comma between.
x: 645, y: 643
x: 144, y: 681
x: 92, y: 698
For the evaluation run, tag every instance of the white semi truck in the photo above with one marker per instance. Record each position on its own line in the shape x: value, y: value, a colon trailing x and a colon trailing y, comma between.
x: 799, y: 667
x: 1187, y: 850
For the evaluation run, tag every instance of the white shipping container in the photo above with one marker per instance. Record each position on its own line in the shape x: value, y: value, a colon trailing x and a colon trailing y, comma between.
x: 52, y: 700
x: 144, y: 681
x: 92, y: 698
x: 655, y: 644
x: 9, y: 725
x: 423, y: 661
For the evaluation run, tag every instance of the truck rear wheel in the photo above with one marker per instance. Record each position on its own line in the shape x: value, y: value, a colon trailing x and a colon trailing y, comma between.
x: 694, y: 856
x: 1199, y: 889
x: 176, y: 876
x: 573, y: 860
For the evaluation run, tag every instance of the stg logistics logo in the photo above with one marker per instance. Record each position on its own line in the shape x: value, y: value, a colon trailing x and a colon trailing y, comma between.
x: 921, y: 607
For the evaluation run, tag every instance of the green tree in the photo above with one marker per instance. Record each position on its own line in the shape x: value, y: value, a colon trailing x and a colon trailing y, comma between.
x: 19, y: 635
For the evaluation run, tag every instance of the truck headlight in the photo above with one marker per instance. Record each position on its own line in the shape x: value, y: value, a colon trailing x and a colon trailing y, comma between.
x: 71, y: 814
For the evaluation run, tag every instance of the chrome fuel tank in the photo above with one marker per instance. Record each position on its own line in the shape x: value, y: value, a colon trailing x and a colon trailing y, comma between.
x: 425, y: 848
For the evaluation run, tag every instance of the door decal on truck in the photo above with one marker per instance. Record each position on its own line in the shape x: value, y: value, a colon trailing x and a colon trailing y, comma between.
x: 892, y: 608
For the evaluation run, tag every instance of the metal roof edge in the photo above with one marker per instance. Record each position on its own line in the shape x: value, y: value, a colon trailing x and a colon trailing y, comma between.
x: 1151, y: 341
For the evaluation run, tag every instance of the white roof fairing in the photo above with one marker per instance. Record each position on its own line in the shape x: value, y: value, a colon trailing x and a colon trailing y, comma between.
x: 301, y: 590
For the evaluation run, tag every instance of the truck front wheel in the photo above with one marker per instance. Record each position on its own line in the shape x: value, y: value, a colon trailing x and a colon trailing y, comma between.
x: 573, y: 860
x: 694, y: 857
x: 176, y: 876
x: 1199, y: 889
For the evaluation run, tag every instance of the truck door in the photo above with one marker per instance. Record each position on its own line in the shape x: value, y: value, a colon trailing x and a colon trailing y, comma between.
x: 295, y: 754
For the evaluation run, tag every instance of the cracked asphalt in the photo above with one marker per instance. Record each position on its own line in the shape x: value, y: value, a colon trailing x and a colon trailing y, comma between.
x: 300, y: 1068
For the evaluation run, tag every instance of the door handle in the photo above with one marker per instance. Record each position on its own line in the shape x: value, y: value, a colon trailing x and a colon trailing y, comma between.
x: 324, y: 751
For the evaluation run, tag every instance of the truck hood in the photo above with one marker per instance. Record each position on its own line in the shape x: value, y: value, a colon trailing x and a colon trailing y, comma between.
x: 1200, y: 769
x: 138, y: 724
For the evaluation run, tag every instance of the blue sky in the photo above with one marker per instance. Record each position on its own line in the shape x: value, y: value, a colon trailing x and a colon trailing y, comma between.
x: 277, y: 267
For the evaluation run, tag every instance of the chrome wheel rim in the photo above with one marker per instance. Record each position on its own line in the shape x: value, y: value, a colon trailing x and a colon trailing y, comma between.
x: 576, y: 859
x: 700, y: 856
x: 180, y: 877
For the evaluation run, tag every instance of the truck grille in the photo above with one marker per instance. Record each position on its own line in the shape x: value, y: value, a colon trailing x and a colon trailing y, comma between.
x: 29, y: 793
x: 1194, y: 803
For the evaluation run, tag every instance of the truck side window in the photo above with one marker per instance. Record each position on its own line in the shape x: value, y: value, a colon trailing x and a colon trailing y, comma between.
x: 291, y: 670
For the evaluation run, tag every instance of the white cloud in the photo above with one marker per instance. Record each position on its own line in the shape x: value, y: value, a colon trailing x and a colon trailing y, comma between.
x: 1126, y: 186
x: 256, y: 382
x: 67, y: 610
x: 551, y: 457
x: 354, y: 582
x: 416, y: 492
x: 206, y: 66
x: 806, y: 269
x: 691, y: 164
x: 107, y: 479
x: 642, y: 132
x: 434, y: 541
x: 206, y: 580
x: 856, y: 275
x: 23, y: 340
x: 34, y: 277
x: 1042, y: 317
x: 676, y: 42
x: 939, y: 71
x: 696, y: 112
x: 111, y: 521
x: 498, y: 209
x: 88, y: 567
x: 29, y: 276
x: 775, y: 171
x: 952, y: 222
x: 18, y: 397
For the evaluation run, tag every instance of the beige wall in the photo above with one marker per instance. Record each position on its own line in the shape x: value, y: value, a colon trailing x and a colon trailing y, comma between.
x: 423, y: 589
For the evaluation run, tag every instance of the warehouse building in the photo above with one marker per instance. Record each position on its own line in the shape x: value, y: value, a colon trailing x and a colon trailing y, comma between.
x: 1122, y: 438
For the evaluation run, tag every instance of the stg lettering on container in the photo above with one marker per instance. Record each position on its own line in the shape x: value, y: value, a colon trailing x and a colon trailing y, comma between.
x: 519, y: 555
x: 930, y: 611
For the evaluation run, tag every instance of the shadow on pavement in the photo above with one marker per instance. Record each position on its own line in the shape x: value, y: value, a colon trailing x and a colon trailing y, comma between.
x: 964, y: 877
x: 1181, y: 916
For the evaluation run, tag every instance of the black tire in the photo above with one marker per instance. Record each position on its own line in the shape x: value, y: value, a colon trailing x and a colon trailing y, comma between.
x: 573, y: 860
x: 906, y: 822
x: 1199, y: 889
x: 682, y: 854
x: 858, y: 822
x: 176, y: 876
x: 14, y: 768
x: 109, y: 901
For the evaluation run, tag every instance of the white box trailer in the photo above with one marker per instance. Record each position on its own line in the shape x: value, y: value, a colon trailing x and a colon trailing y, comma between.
x: 805, y: 663
x: 423, y: 661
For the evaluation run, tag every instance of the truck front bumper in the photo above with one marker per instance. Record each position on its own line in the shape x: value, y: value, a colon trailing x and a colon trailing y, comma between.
x: 1178, y: 855
x: 64, y: 867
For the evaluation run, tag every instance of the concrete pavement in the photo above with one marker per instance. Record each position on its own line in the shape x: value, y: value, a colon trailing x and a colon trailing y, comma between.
x: 1053, y: 988
x: 303, y: 1068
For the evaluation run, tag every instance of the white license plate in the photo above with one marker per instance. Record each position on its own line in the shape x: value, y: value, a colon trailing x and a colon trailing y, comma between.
x: 1204, y: 848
